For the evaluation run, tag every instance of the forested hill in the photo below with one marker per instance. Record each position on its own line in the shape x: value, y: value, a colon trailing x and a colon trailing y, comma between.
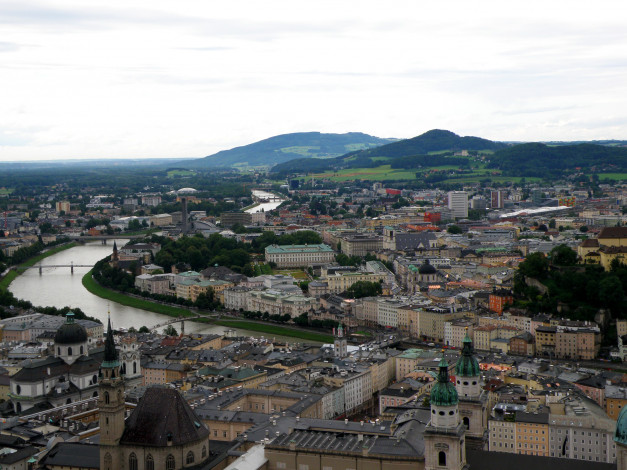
x: 541, y: 160
x: 428, y: 143
x: 282, y: 148
x: 435, y: 140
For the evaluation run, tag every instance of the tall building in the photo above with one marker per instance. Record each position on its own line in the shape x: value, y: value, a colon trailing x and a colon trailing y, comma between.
x: 458, y: 204
x: 340, y: 348
x: 497, y: 199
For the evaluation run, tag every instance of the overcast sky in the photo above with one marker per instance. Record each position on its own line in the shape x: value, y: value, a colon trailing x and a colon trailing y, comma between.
x: 82, y: 79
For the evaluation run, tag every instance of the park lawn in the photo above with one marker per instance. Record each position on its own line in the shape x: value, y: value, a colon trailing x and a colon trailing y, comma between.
x: 276, y: 330
x: 296, y: 274
x: 93, y: 287
x: 613, y: 176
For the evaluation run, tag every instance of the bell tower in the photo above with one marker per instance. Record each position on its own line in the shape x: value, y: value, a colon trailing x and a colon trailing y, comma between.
x: 340, y: 344
x: 472, y: 399
x: 445, y: 434
x: 111, y: 405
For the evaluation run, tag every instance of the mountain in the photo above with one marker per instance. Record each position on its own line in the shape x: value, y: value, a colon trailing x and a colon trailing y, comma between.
x: 282, y: 148
x: 413, y: 152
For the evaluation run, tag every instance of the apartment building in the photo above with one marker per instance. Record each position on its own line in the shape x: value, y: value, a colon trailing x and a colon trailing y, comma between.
x: 432, y: 322
x: 276, y: 302
x: 294, y: 256
x: 361, y: 244
x: 340, y: 282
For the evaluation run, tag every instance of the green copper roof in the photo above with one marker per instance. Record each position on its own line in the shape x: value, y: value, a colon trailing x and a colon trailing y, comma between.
x: 443, y: 393
x: 467, y: 365
x: 620, y: 435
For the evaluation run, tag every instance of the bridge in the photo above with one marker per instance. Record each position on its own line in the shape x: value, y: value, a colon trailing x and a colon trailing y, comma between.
x: 71, y: 266
x: 180, y: 319
x: 104, y: 238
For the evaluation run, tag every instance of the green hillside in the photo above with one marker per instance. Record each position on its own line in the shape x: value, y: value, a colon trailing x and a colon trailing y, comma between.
x: 286, y: 147
x: 432, y: 149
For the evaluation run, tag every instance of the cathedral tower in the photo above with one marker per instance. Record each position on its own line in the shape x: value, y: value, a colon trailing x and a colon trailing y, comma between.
x: 445, y: 434
x: 340, y: 344
x: 472, y: 399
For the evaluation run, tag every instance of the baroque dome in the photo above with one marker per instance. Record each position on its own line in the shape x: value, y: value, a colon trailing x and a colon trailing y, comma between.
x: 620, y: 435
x: 70, y: 332
x: 426, y: 268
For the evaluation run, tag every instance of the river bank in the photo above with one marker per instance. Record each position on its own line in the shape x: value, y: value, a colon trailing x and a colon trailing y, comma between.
x: 19, y: 269
x: 177, y: 312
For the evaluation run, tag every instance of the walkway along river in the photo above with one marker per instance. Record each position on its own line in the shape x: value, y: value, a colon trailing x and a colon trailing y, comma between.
x: 58, y: 287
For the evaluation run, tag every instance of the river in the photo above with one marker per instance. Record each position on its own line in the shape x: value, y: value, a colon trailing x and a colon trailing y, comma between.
x: 57, y: 287
x: 274, y: 201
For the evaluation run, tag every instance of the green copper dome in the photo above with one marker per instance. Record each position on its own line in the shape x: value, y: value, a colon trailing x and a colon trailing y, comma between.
x: 467, y: 365
x: 620, y: 435
x: 443, y: 393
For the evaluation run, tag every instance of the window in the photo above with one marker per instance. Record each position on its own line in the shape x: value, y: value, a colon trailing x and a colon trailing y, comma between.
x: 190, y: 457
x: 108, y: 461
x: 204, y: 451
x: 69, y: 351
x: 132, y: 461
x: 302, y: 466
x: 442, y: 459
x: 18, y: 389
x: 106, y: 398
x: 280, y: 465
x: 82, y: 350
x: 170, y: 462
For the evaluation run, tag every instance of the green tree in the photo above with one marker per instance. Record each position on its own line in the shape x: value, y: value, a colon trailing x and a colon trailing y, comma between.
x: 144, y: 329
x: 563, y: 255
x: 536, y: 265
x: 170, y: 331
x: 364, y: 289
x: 611, y: 294
x: 454, y: 229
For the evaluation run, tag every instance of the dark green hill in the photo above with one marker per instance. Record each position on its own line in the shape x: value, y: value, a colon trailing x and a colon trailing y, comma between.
x: 432, y: 141
x: 408, y: 153
x: 537, y: 159
x: 282, y: 148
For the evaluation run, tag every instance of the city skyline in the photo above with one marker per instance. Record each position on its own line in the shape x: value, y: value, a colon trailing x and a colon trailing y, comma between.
x: 186, y: 81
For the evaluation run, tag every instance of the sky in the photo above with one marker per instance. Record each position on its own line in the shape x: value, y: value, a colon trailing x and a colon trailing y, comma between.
x: 182, y: 79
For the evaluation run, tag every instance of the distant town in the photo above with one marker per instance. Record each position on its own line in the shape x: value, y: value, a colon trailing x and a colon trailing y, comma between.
x: 474, y: 325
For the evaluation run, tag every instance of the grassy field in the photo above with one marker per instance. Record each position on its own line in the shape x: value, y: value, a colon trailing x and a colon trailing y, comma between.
x: 6, y: 191
x: 297, y: 274
x: 302, y: 150
x: 180, y: 173
x: 104, y: 293
x: 380, y: 173
x: 276, y: 330
x: 613, y: 176
x: 8, y: 279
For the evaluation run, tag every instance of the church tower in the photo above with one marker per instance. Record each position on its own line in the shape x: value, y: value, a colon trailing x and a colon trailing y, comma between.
x: 472, y: 399
x: 445, y: 434
x: 111, y: 405
x: 340, y: 344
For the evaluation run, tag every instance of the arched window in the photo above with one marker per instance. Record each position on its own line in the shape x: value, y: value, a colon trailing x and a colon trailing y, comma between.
x: 95, y: 394
x: 204, y: 451
x: 466, y: 422
x: 442, y: 459
x: 132, y: 461
x: 82, y: 351
x: 169, y: 462
x: 134, y: 367
x: 69, y: 351
x: 18, y: 389
x: 106, y: 398
x: 108, y: 461
x: 451, y: 413
x: 150, y: 463
x: 58, y: 351
x: 190, y: 458
x: 94, y: 379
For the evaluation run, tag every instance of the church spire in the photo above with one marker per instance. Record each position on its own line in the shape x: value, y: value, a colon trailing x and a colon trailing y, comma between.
x: 110, y: 353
